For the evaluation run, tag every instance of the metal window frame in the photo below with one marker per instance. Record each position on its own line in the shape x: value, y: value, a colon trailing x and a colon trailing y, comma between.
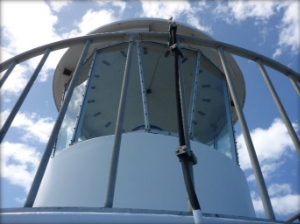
x: 82, y: 109
x: 194, y: 95
x: 143, y: 88
x: 229, y: 121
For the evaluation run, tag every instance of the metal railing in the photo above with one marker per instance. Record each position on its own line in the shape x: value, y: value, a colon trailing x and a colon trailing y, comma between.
x: 159, y: 37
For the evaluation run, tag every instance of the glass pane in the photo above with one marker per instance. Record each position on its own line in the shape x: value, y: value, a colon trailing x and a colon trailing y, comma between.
x: 102, y: 105
x: 210, y: 124
x: 134, y: 113
x: 158, y: 65
x: 68, y: 125
x: 224, y: 143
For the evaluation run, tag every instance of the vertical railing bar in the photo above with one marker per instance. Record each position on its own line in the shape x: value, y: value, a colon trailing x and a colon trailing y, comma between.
x: 229, y: 121
x: 23, y: 95
x: 279, y: 105
x: 194, y: 95
x: 252, y: 154
x: 7, y: 73
x: 82, y: 109
x: 52, y: 139
x: 110, y: 190
x: 294, y: 83
x: 143, y: 88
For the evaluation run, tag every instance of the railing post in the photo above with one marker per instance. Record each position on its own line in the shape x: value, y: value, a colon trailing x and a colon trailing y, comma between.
x: 22, y: 97
x: 52, y: 139
x: 278, y: 103
x: 112, y: 176
x: 294, y: 83
x: 7, y: 73
x: 252, y: 154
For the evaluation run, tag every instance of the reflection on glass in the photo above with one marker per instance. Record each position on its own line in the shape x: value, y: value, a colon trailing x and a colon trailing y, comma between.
x: 99, y: 118
x: 158, y: 65
x: 210, y: 125
x: 68, y: 125
x: 67, y: 128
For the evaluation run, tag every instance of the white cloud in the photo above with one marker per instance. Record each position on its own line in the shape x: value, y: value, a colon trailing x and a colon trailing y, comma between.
x: 165, y: 9
x: 15, y: 82
x: 279, y: 189
x: 57, y: 5
x: 20, y: 200
x: 236, y: 11
x: 194, y: 21
x: 93, y: 19
x: 277, y: 53
x: 27, y: 24
x: 32, y: 126
x: 268, y: 156
x: 175, y: 9
x: 90, y: 21
x: 283, y: 200
x: 289, y: 28
x: 120, y: 4
x: 19, y: 163
x: 262, y: 11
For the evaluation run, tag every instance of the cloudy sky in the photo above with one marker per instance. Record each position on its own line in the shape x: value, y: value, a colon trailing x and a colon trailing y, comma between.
x: 270, y: 28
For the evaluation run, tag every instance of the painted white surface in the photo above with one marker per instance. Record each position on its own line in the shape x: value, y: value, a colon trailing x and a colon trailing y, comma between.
x: 149, y: 177
x: 112, y: 217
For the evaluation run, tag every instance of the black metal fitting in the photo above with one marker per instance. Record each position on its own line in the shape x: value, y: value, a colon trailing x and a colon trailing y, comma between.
x: 181, y: 150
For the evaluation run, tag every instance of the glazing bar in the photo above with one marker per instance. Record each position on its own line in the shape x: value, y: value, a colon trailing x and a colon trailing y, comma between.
x: 194, y: 95
x: 278, y: 103
x: 112, y: 176
x: 143, y: 88
x: 82, y: 109
x: 52, y: 139
x: 7, y: 73
x: 252, y: 154
x: 229, y: 122
x: 296, y: 86
x: 22, y: 97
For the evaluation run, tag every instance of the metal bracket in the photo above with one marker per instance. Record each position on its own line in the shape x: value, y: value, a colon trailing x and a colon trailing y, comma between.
x: 181, y: 150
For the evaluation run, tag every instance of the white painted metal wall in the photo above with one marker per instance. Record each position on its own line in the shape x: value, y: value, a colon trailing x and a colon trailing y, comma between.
x: 149, y: 177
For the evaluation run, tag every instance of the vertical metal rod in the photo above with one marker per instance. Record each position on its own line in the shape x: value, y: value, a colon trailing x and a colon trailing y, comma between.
x: 110, y: 190
x: 52, y: 139
x: 23, y: 95
x: 184, y: 119
x: 294, y: 83
x: 82, y: 109
x: 279, y: 105
x: 194, y: 95
x: 252, y: 154
x: 229, y: 122
x: 143, y: 88
x: 7, y: 73
x: 183, y: 104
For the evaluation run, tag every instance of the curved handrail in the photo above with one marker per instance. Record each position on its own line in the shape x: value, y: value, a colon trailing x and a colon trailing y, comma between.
x: 153, y: 36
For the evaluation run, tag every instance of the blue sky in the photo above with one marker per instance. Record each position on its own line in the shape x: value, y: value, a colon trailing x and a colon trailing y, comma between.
x: 270, y: 28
